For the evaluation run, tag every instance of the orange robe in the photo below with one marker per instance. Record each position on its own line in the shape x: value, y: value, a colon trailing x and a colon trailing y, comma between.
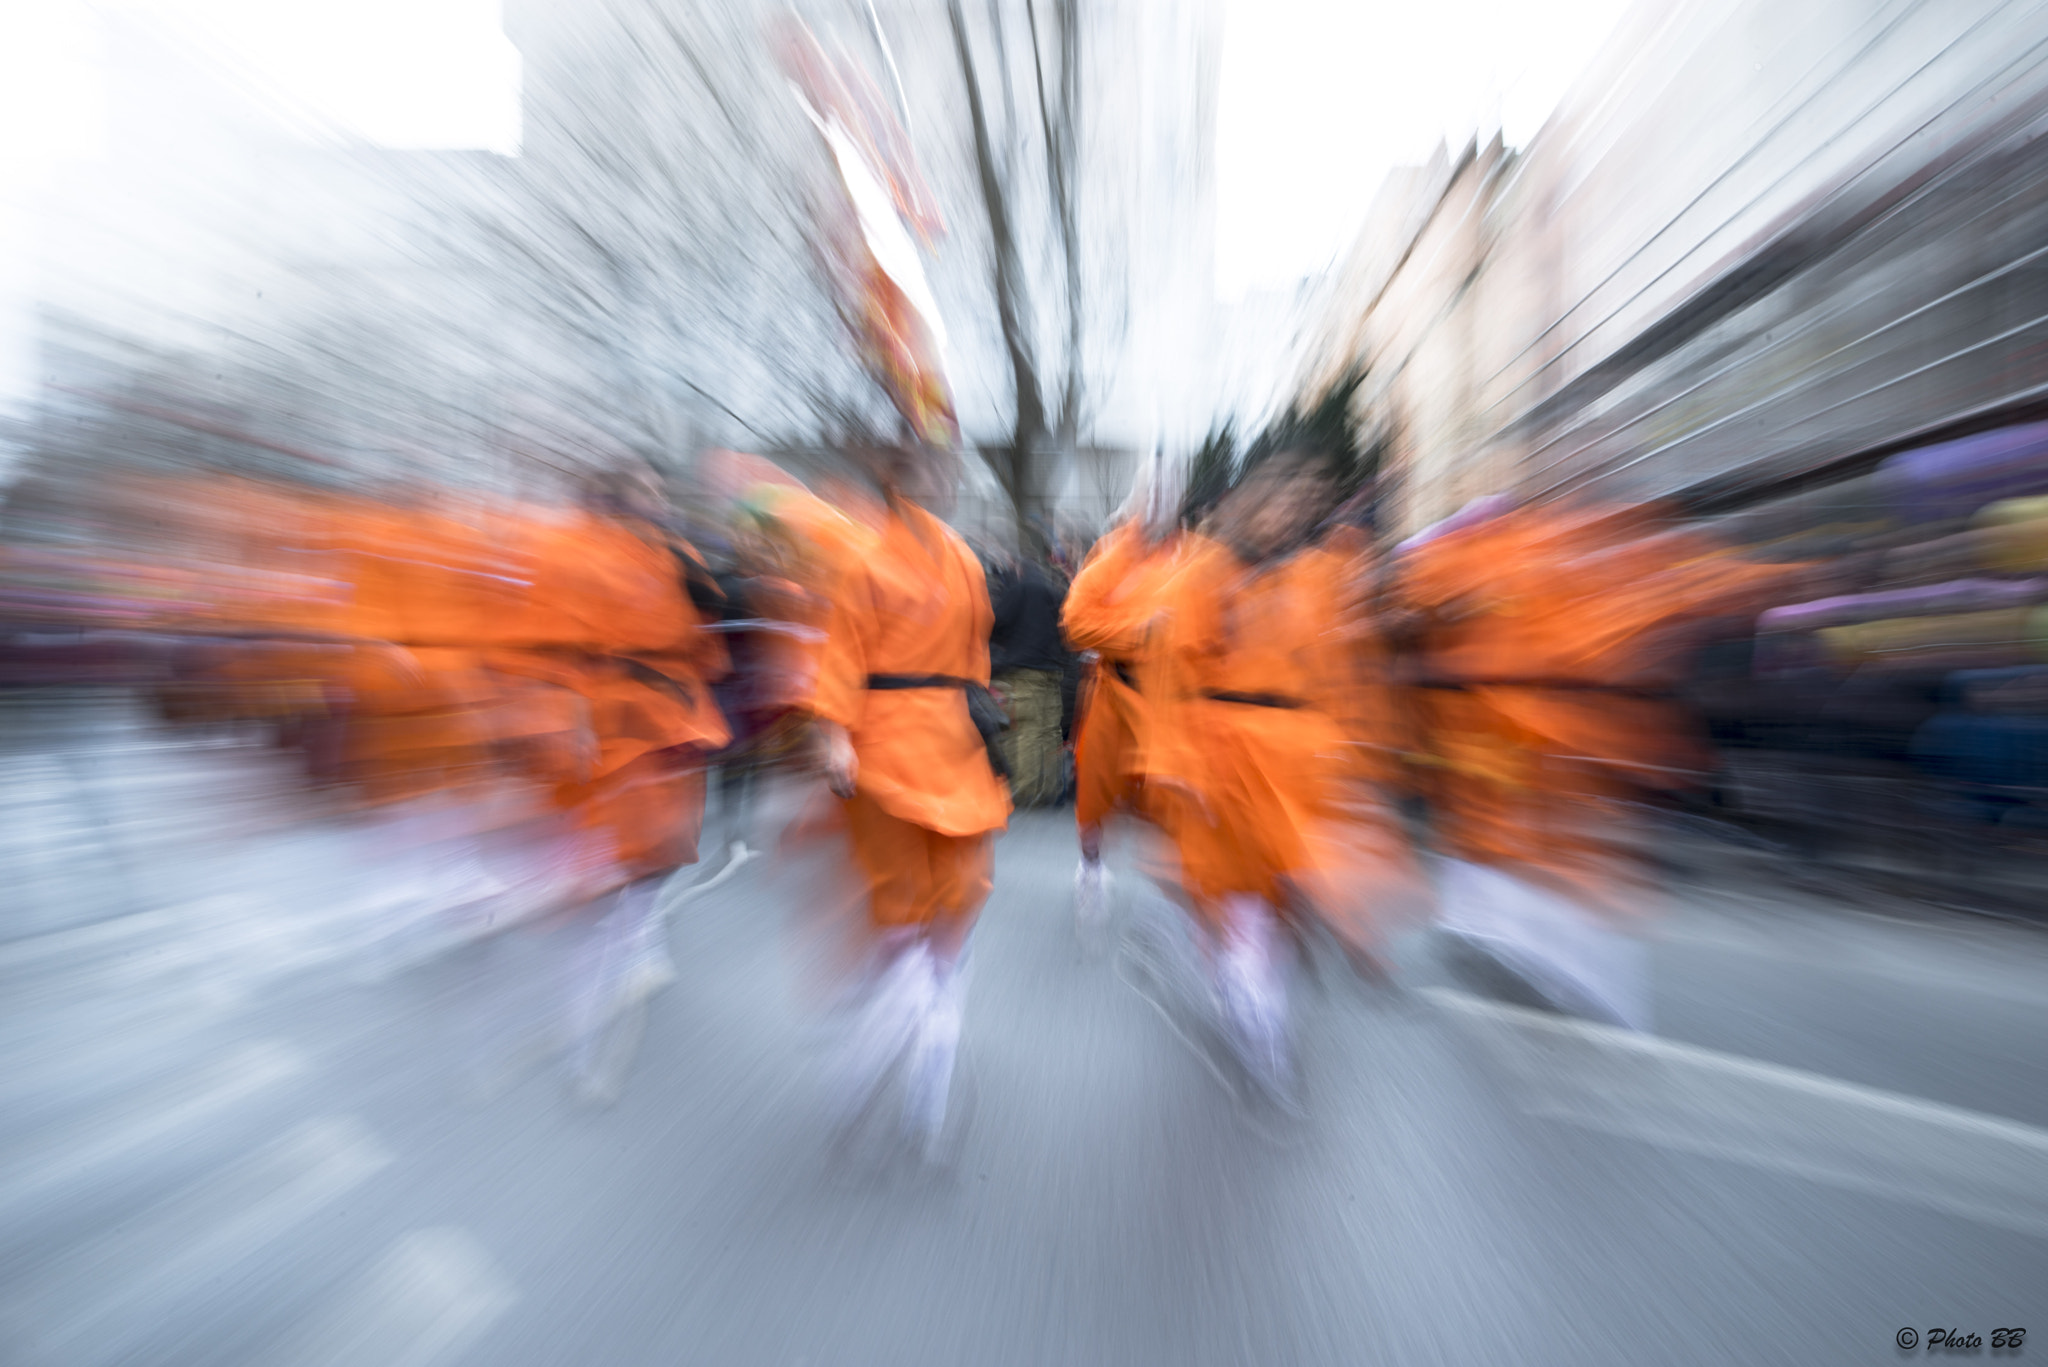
x: 913, y: 601
x: 642, y: 673
x: 1259, y: 769
x: 1109, y: 610
x: 1552, y: 635
x: 470, y: 645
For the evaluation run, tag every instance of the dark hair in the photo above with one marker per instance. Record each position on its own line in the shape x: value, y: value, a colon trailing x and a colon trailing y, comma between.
x: 1294, y: 458
x: 1321, y: 436
x: 1211, y: 474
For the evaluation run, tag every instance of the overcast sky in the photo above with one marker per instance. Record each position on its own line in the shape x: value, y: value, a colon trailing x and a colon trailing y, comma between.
x: 403, y: 73
x: 1320, y: 97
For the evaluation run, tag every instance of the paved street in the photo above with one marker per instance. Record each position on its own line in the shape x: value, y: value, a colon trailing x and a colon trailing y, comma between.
x: 236, y: 1131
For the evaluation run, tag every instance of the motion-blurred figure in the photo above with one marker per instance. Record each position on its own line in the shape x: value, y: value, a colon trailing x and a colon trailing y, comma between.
x: 653, y: 736
x: 511, y: 698
x: 1257, y: 768
x: 1551, y: 642
x: 907, y: 639
x: 1109, y: 613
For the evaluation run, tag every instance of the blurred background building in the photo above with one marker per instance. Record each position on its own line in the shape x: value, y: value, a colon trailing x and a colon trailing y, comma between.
x: 1758, y: 246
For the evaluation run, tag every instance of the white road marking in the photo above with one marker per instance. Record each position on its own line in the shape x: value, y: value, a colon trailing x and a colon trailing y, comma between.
x: 423, y: 1303
x: 1978, y: 1166
x: 136, y: 1124
x: 102, y: 1300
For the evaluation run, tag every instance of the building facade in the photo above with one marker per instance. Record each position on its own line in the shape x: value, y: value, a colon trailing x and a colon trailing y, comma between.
x: 1758, y: 244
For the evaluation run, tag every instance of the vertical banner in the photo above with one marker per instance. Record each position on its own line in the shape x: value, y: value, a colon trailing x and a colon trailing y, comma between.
x: 878, y: 275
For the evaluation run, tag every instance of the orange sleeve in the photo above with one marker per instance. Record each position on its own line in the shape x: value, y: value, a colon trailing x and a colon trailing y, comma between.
x: 1097, y: 616
x: 839, y: 688
x: 1174, y: 669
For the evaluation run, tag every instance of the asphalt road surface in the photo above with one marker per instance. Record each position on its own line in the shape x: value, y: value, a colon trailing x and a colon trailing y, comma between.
x: 234, y: 1131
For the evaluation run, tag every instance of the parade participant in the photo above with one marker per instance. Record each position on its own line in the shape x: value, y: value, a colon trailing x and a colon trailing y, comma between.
x: 1551, y: 638
x: 906, y: 646
x: 1256, y: 767
x: 1109, y: 611
x: 657, y: 721
x: 512, y: 696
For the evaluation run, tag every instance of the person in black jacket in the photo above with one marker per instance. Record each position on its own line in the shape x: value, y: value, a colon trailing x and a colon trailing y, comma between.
x: 1027, y: 658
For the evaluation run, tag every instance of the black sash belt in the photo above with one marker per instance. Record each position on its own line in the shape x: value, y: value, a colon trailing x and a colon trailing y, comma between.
x: 988, y: 718
x: 1253, y: 699
x: 1547, y: 686
x: 885, y: 683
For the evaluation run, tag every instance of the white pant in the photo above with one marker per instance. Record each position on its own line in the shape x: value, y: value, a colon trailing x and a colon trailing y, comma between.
x: 1565, y: 951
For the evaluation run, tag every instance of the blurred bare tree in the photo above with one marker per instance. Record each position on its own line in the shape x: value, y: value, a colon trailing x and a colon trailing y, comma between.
x: 1043, y: 315
x: 662, y: 221
x: 652, y: 273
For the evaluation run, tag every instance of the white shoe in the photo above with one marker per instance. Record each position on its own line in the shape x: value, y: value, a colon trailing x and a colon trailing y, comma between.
x: 883, y: 1026
x: 649, y: 974
x: 1252, y: 992
x: 1091, y: 896
x: 933, y: 1051
x: 623, y: 963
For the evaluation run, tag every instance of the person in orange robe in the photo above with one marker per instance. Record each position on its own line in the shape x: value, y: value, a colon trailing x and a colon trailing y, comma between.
x: 608, y: 619
x: 1258, y: 769
x: 906, y: 637
x: 1551, y: 640
x: 1109, y: 611
x: 516, y: 620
